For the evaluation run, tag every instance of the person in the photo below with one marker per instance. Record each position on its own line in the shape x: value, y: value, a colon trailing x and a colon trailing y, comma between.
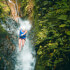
x: 22, y: 37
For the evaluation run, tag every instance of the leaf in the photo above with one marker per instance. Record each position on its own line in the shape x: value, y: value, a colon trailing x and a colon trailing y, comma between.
x: 39, y: 52
x: 68, y: 21
x: 62, y: 25
x: 45, y: 3
x: 39, y: 14
x: 67, y: 32
x: 62, y: 17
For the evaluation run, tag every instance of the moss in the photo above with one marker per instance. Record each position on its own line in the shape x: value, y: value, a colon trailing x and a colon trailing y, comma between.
x: 5, y: 8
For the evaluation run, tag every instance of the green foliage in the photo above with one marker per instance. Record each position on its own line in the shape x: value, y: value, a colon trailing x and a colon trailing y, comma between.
x: 24, y: 4
x: 62, y: 25
x: 68, y: 32
x: 62, y: 17
x: 53, y: 33
x: 4, y: 10
x: 3, y: 32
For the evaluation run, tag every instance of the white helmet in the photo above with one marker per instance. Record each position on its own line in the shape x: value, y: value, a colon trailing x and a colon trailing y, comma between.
x: 23, y: 27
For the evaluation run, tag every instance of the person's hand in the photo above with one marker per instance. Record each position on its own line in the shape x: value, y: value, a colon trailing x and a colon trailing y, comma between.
x: 21, y: 34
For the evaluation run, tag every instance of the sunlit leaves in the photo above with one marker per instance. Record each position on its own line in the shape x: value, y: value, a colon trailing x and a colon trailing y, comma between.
x: 53, y: 33
x: 67, y: 32
x: 62, y: 25
x: 62, y: 17
x: 45, y: 3
x: 39, y: 52
x: 4, y: 10
x: 58, y: 61
x: 53, y: 45
x: 41, y: 35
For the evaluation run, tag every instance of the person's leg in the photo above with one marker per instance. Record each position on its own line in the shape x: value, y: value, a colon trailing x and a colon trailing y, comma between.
x: 19, y: 44
x: 23, y: 41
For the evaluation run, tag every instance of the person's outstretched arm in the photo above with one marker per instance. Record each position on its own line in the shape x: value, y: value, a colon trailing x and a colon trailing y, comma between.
x: 25, y: 32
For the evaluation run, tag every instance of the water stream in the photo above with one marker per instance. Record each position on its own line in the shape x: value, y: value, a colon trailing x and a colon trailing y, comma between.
x: 24, y: 60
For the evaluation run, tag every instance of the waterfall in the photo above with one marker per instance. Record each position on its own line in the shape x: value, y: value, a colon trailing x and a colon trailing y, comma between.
x: 17, y: 8
x: 14, y: 6
x: 25, y: 60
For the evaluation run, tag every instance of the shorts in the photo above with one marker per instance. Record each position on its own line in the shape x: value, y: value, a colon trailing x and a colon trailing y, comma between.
x: 22, y: 38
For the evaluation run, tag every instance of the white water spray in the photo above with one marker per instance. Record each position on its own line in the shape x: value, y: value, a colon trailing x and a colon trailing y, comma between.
x: 25, y: 60
x: 17, y: 8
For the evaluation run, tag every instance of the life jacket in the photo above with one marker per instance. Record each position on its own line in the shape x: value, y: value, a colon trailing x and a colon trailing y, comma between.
x: 21, y: 33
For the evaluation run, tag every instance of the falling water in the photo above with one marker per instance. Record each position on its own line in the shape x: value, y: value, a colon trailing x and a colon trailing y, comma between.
x: 14, y: 6
x: 25, y: 60
x: 17, y: 8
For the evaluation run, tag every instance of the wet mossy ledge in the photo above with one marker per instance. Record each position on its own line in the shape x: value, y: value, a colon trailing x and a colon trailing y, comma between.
x: 3, y: 32
x: 6, y: 49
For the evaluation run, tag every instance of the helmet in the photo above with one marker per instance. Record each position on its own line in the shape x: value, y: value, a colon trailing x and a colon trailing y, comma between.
x: 23, y: 27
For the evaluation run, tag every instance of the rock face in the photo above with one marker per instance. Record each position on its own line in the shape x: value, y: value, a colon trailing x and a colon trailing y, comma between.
x: 14, y: 9
x: 8, y: 41
x: 6, y: 46
x: 7, y: 38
